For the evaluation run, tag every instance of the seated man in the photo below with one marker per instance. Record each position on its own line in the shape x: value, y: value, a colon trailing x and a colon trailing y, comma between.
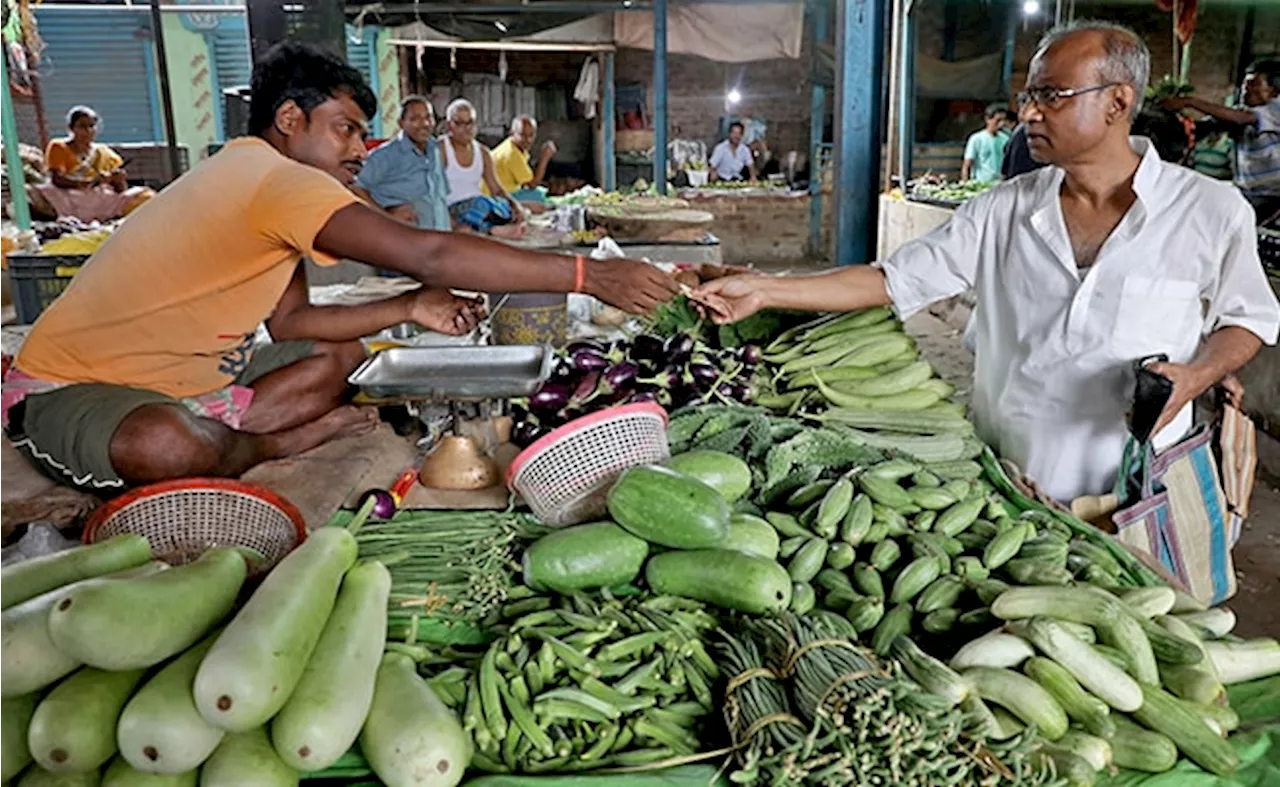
x: 511, y: 162
x: 87, y: 178
x: 732, y: 158
x: 145, y: 368
x: 468, y: 168
x: 405, y: 175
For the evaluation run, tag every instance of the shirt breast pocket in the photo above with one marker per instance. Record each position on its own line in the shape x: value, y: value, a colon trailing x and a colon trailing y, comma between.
x: 1157, y: 316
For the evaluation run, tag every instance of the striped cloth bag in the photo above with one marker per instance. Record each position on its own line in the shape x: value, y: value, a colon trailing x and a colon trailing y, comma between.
x: 1182, y: 517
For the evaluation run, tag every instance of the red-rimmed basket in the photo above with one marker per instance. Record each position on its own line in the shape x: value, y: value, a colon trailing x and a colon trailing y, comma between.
x: 183, y: 518
x: 565, y: 475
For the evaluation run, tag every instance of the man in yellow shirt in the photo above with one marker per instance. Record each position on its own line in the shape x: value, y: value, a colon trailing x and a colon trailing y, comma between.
x: 511, y: 160
x: 145, y: 369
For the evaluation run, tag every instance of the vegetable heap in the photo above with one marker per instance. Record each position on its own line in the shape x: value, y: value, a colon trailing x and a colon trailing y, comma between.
x: 113, y: 661
x: 675, y: 372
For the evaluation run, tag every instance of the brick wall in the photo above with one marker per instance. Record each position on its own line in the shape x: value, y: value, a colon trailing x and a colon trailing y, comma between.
x: 775, y: 91
x: 763, y: 230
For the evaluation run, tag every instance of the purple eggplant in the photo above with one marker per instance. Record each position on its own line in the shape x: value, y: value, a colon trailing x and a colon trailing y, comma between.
x: 740, y: 392
x: 584, y: 344
x: 621, y: 375
x: 522, y: 434
x: 646, y: 347
x: 667, y: 378
x: 551, y: 396
x: 384, y: 506
x: 703, y: 375
x: 751, y: 354
x: 589, y: 361
x: 586, y: 388
x: 643, y: 396
x: 678, y: 348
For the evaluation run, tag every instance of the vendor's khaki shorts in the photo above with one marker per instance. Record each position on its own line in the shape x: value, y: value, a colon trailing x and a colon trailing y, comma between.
x: 67, y: 432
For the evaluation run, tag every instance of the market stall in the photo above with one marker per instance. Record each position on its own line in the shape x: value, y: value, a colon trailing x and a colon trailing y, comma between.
x: 773, y: 551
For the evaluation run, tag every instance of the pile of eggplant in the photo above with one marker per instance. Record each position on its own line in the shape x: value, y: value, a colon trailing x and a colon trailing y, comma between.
x: 673, y: 372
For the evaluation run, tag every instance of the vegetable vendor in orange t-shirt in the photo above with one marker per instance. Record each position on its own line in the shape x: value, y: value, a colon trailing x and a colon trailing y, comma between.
x: 87, y: 178
x: 146, y: 369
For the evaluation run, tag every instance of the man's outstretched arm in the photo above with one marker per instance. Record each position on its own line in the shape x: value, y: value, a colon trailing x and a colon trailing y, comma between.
x: 441, y: 259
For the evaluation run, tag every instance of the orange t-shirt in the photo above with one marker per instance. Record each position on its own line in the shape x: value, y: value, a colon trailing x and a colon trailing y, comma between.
x: 171, y: 301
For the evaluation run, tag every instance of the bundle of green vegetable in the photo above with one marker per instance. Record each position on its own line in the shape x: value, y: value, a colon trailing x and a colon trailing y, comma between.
x: 806, y: 704
x: 446, y: 566
x: 590, y: 683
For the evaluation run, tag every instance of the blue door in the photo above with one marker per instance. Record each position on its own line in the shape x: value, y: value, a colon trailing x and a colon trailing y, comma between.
x: 102, y: 57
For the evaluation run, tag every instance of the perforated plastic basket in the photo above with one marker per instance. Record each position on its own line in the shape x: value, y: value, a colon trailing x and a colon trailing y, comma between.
x: 566, y: 475
x: 183, y: 518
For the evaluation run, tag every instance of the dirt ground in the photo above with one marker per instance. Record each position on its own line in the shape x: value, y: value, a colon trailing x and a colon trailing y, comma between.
x: 1257, y: 555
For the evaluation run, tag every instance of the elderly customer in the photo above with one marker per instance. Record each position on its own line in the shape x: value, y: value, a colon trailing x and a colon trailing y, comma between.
x: 88, y: 180
x: 1080, y: 268
x: 405, y: 176
x: 511, y: 161
x: 468, y: 167
x: 1257, y: 164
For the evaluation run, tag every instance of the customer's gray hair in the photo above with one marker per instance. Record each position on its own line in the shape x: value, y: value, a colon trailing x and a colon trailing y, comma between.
x: 456, y: 106
x: 518, y: 122
x: 1127, y: 59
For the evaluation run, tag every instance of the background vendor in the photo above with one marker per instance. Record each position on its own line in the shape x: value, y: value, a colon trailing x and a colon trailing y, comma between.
x: 87, y: 178
x: 511, y: 162
x: 1257, y: 162
x: 468, y: 168
x: 405, y: 174
x: 731, y: 159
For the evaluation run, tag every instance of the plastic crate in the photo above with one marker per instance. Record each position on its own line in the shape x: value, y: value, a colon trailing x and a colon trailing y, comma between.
x: 1269, y: 249
x: 38, y: 281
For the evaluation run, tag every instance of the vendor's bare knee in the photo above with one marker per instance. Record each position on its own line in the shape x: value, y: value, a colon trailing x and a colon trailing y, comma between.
x: 346, y: 356
x: 162, y: 441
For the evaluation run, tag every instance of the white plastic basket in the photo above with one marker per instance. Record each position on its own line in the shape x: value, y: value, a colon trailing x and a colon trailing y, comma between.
x: 566, y: 475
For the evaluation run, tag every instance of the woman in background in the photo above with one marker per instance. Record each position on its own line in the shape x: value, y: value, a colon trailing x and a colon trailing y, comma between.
x: 87, y: 178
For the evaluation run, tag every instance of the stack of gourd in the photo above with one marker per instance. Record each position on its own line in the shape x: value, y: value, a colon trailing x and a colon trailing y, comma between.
x: 112, y: 660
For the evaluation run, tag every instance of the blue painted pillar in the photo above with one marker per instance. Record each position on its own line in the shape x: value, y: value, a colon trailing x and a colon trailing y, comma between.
x: 907, y: 92
x: 1006, y: 61
x: 12, y: 159
x: 609, y: 122
x: 859, y: 63
x: 817, y: 119
x: 660, y: 95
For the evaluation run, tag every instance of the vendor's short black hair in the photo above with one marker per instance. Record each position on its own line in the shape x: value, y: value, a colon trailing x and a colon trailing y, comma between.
x: 308, y: 77
x: 77, y: 112
x: 737, y: 125
x: 1269, y: 70
x: 410, y: 101
x: 994, y: 110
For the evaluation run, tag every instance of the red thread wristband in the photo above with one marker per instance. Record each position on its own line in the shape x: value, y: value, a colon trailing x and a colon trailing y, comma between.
x: 580, y: 273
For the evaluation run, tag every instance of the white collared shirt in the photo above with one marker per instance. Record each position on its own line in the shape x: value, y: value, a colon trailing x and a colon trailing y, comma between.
x: 1055, y: 345
x: 729, y: 162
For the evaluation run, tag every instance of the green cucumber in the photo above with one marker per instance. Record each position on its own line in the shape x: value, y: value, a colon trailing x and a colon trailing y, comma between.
x: 750, y: 535
x: 809, y: 493
x: 803, y: 598
x: 74, y: 727
x: 885, y: 492
x: 669, y: 508
x: 941, y: 594
x: 121, y: 774
x: 39, y: 575
x: 411, y: 739
x: 247, y: 759
x: 29, y: 660
x: 786, y: 525
x: 35, y: 776
x: 857, y: 522
x: 255, y: 664
x: 584, y: 557
x: 865, y: 613
x: 835, y: 504
x: 718, y: 576
x: 160, y: 730
x: 725, y: 473
x: 885, y: 554
x: 140, y: 622
x: 325, y: 712
x: 15, y: 718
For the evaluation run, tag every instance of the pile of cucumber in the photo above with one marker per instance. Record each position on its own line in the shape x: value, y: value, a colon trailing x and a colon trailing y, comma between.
x: 112, y: 661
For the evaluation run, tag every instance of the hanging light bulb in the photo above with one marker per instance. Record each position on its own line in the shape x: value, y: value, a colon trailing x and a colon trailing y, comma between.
x: 734, y: 96
x: 1030, y: 7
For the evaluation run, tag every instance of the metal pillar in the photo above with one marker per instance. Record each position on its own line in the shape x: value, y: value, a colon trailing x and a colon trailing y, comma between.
x: 609, y: 123
x: 660, y: 95
x: 12, y: 158
x: 907, y: 92
x: 817, y: 119
x: 166, y: 96
x: 859, y: 60
x: 1006, y: 61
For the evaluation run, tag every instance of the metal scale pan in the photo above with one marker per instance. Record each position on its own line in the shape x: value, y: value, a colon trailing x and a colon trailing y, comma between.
x: 454, y: 373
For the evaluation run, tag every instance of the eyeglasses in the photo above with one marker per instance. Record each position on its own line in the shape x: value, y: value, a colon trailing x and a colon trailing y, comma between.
x: 1052, y: 97
x: 463, y: 123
